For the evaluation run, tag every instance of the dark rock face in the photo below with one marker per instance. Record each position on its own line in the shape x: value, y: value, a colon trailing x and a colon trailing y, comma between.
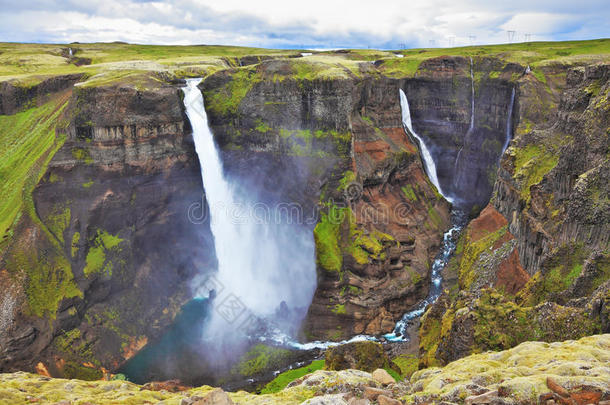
x: 13, y: 98
x: 440, y: 98
x: 116, y: 198
x: 534, y: 264
x: 366, y: 295
x: 123, y: 184
x: 574, y: 183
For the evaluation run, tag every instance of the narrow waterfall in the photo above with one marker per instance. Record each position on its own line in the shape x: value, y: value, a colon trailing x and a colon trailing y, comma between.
x: 262, y: 265
x: 471, y: 96
x: 470, y: 128
x: 509, y: 122
x: 429, y: 164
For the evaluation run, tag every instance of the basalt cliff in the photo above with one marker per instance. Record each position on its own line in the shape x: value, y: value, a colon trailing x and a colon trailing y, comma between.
x: 107, y: 225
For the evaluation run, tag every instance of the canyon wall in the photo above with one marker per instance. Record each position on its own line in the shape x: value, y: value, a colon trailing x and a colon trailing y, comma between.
x: 534, y: 265
x: 103, y: 261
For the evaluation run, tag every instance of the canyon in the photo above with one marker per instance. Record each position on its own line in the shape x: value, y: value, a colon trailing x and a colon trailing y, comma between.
x: 114, y: 230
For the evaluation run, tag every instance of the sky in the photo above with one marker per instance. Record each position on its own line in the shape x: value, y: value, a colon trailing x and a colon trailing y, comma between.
x: 313, y: 24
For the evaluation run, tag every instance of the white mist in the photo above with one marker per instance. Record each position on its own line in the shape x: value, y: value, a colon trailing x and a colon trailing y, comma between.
x: 260, y: 263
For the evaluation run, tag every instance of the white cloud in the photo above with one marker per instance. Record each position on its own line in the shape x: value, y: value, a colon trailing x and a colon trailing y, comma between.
x: 315, y: 23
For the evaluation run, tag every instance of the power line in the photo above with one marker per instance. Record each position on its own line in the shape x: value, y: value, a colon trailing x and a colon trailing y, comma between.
x: 511, y: 35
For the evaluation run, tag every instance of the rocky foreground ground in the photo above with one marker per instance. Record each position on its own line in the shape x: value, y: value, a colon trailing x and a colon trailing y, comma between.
x: 570, y: 372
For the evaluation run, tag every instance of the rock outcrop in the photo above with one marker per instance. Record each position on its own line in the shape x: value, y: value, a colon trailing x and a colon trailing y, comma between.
x: 106, y: 256
x: 530, y: 373
x: 534, y: 264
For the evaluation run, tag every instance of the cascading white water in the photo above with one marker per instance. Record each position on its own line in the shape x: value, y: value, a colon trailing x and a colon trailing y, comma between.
x: 509, y: 122
x: 260, y: 263
x: 471, y: 96
x: 429, y: 164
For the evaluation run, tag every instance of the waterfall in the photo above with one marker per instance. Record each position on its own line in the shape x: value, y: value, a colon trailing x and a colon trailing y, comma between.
x: 262, y: 265
x: 456, y: 179
x: 471, y: 97
x: 509, y: 122
x: 425, y: 153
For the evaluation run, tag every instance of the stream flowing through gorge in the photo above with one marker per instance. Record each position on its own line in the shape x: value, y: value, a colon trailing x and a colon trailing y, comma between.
x: 250, y: 257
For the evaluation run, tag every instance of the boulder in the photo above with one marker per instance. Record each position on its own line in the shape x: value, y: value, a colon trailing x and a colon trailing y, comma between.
x: 383, y: 377
x: 373, y: 393
x: 215, y: 397
x: 367, y: 356
x: 385, y: 400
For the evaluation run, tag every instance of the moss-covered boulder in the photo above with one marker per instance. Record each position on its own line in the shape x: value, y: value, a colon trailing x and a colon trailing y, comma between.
x: 366, y: 356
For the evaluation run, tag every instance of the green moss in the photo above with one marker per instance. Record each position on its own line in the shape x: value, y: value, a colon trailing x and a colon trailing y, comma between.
x: 226, y: 100
x: 74, y: 245
x: 82, y: 155
x: 539, y: 75
x: 408, y: 364
x: 409, y: 193
x: 557, y: 274
x: 339, y: 309
x: 285, y: 378
x: 96, y: 261
x: 259, y: 359
x: 348, y: 177
x: 75, y: 370
x: 29, y: 142
x: 434, y: 216
x: 58, y: 221
x: 532, y: 162
x: 326, y: 236
x: 471, y: 252
x: 49, y: 279
x: 429, y: 338
x: 262, y: 126
x: 88, y: 184
x: 501, y: 324
x: 354, y: 290
x: 393, y: 373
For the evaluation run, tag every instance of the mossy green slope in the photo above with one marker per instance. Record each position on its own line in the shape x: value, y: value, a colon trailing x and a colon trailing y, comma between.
x: 27, y: 143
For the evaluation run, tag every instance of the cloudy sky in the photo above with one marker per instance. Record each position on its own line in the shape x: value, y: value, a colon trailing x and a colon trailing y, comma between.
x: 303, y: 24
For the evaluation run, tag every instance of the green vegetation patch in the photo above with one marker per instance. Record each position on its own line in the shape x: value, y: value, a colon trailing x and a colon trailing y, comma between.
x: 259, y: 359
x: 532, y: 162
x: 225, y: 100
x: 326, y: 236
x: 409, y: 193
x: 281, y: 381
x: 27, y: 144
x: 97, y: 261
x: 82, y: 155
x: 408, y: 364
x: 556, y: 275
x: 471, y: 253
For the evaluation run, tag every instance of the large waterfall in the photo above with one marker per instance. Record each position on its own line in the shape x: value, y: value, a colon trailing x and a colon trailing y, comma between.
x: 430, y: 166
x: 263, y: 265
